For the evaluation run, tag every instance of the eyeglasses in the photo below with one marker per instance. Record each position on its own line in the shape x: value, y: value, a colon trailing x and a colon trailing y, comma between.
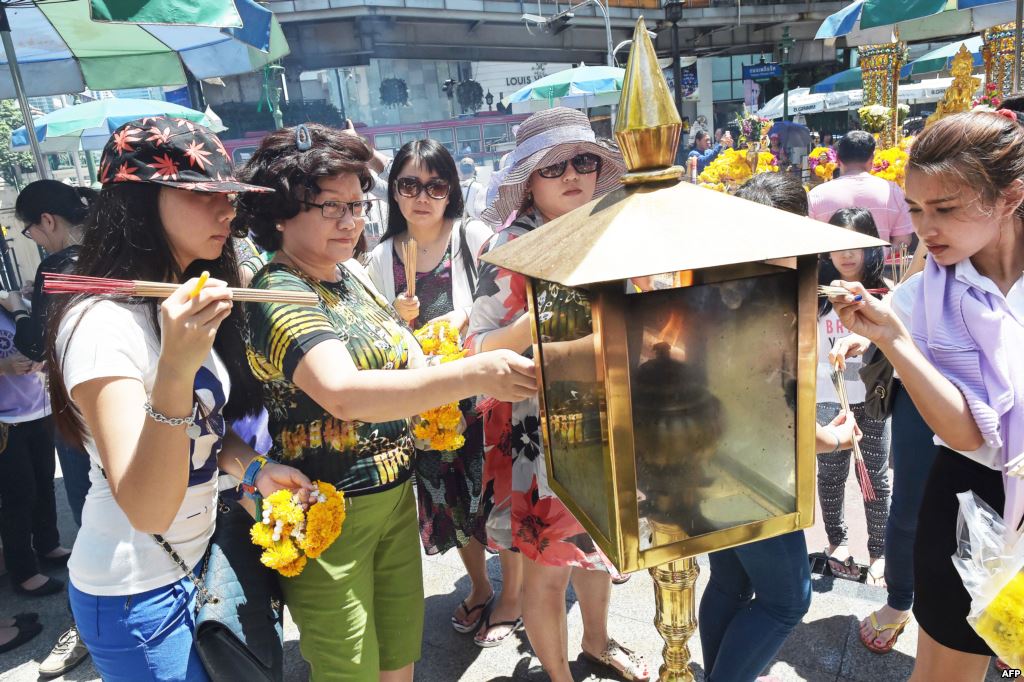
x: 585, y: 164
x: 437, y: 188
x: 341, y: 209
x: 25, y: 230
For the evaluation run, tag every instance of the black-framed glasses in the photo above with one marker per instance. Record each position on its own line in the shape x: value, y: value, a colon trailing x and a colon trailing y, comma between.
x: 25, y: 230
x: 340, y: 209
x: 437, y: 188
x: 585, y: 164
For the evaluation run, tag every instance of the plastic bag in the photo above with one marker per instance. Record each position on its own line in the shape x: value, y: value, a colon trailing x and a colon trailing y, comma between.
x: 989, y: 559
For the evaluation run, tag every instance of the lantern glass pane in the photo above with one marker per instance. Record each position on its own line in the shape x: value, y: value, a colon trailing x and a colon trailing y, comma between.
x: 713, y: 391
x: 574, y: 398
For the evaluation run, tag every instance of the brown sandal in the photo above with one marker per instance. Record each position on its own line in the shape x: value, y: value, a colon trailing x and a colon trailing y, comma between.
x: 897, y: 629
x: 635, y: 671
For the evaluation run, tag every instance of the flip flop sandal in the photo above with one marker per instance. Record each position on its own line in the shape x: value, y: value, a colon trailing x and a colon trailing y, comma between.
x: 621, y: 579
x: 848, y: 562
x: 897, y: 629
x: 515, y: 625
x: 466, y: 628
x: 876, y: 573
x: 635, y: 670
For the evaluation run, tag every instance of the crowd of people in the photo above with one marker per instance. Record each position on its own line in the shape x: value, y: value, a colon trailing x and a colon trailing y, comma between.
x: 278, y: 395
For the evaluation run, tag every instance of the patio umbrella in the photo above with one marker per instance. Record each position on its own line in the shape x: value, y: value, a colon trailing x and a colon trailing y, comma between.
x: 855, y: 22
x: 584, y: 86
x: 88, y: 126
x: 54, y: 47
x: 837, y: 82
x: 941, y: 59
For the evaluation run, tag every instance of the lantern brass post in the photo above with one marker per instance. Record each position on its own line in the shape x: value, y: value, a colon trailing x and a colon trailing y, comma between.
x: 675, y: 608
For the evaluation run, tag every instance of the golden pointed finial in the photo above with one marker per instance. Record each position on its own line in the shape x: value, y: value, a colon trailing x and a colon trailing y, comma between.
x: 647, y: 125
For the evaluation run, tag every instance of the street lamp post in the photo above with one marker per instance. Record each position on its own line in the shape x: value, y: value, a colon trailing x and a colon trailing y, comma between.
x: 784, y: 47
x: 490, y: 100
x: 673, y: 13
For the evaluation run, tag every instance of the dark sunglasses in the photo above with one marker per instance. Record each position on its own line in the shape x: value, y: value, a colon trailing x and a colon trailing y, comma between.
x: 585, y: 164
x: 437, y: 188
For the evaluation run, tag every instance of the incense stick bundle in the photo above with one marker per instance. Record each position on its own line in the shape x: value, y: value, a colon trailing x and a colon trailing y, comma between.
x: 826, y: 290
x: 863, y: 478
x: 56, y: 283
x: 409, y: 251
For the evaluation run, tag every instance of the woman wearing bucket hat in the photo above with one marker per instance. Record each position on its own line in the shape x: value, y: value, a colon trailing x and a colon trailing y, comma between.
x: 145, y: 388
x: 556, y: 167
x: 342, y: 379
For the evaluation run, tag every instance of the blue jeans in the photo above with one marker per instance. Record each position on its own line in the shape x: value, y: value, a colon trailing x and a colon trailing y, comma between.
x: 141, y: 637
x: 756, y: 595
x: 913, y: 454
x: 74, y: 467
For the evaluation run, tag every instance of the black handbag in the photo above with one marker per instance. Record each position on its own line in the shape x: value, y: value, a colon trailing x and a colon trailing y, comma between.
x: 239, y: 612
x: 877, y: 375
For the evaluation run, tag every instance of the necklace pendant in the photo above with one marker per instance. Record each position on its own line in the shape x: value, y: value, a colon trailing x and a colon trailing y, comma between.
x: 193, y: 431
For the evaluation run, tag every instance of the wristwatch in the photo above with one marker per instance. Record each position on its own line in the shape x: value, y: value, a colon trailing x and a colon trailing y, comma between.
x: 249, y: 479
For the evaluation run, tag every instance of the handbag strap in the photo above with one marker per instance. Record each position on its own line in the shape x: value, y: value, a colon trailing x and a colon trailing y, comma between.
x: 204, y: 597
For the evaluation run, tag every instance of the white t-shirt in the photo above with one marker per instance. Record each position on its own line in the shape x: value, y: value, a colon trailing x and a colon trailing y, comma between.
x: 903, y: 301
x: 111, y: 557
x: 830, y: 330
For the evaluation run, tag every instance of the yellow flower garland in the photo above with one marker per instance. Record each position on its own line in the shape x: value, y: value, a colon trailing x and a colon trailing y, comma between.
x: 1001, y: 624
x: 730, y: 169
x: 289, y: 535
x: 440, y: 426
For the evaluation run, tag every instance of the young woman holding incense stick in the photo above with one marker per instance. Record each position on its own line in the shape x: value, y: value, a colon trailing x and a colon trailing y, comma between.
x: 954, y: 334
x: 342, y: 378
x: 145, y: 388
x: 425, y: 213
x: 867, y: 266
x: 557, y: 166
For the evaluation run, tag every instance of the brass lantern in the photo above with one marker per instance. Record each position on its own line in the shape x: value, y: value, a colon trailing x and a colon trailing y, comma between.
x: 678, y: 415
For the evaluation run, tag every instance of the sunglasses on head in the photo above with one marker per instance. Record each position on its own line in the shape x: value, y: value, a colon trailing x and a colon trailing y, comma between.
x: 585, y: 164
x: 437, y: 188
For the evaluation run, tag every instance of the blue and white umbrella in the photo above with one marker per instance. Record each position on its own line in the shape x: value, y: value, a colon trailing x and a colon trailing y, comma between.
x: 956, y: 17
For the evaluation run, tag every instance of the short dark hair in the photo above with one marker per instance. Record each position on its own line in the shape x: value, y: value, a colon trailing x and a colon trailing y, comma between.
x: 437, y: 159
x: 293, y: 174
x: 699, y: 135
x: 856, y: 146
x: 778, y: 190
x: 1014, y: 102
x: 53, y: 196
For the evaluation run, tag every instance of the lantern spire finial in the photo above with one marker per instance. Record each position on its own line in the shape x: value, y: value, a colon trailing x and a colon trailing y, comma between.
x: 648, y: 125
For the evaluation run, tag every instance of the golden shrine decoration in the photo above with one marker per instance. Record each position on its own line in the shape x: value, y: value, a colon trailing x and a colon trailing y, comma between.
x: 880, y: 72
x: 997, y: 51
x: 961, y: 91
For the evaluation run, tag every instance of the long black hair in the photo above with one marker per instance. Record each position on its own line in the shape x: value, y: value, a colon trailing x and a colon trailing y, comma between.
x: 52, y: 196
x: 433, y: 156
x: 858, y: 220
x: 124, y: 238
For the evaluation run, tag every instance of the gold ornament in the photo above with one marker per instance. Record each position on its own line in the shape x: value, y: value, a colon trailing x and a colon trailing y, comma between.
x: 961, y: 91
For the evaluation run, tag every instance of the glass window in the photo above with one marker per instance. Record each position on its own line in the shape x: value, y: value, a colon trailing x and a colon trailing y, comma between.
x: 413, y: 135
x: 737, y: 90
x: 737, y: 66
x: 445, y: 136
x: 720, y: 68
x: 494, y: 133
x: 468, y: 139
x: 386, y: 141
x: 722, y: 90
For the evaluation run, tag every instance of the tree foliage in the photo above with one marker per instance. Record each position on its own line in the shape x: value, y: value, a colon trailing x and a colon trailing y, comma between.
x: 10, y: 119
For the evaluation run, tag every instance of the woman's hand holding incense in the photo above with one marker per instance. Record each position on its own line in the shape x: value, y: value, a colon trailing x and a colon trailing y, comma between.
x: 189, y: 325
x: 408, y: 308
x: 851, y: 346
x: 867, y: 316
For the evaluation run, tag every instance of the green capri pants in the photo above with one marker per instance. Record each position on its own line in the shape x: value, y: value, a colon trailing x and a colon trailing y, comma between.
x: 359, y: 607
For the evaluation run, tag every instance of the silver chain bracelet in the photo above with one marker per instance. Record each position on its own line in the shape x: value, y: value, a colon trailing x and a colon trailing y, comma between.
x: 192, y: 430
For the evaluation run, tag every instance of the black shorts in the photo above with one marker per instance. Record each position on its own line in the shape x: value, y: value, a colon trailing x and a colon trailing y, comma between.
x: 941, y: 604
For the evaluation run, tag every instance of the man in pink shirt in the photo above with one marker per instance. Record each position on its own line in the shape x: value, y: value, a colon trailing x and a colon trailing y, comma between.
x: 857, y: 188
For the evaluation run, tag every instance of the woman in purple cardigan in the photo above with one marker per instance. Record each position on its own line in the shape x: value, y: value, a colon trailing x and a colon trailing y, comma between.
x: 955, y: 333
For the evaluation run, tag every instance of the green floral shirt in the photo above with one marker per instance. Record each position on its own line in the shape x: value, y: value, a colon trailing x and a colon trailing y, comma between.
x: 358, y: 458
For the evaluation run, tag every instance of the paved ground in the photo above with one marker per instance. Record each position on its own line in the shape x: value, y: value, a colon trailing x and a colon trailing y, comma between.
x: 824, y: 648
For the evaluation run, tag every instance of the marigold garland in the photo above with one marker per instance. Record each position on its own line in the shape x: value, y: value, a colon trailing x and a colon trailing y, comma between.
x: 891, y: 164
x: 823, y: 161
x: 730, y: 169
x: 440, y: 426
x: 1001, y: 624
x: 289, y: 535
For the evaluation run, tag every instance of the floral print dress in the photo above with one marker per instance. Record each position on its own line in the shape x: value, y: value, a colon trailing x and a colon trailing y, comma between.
x: 448, y: 483
x: 520, y: 510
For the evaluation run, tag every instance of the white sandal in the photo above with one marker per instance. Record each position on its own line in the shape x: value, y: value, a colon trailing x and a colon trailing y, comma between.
x: 635, y: 671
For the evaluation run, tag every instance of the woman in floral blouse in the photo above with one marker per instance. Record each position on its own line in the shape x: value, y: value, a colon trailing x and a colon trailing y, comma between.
x: 557, y: 166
